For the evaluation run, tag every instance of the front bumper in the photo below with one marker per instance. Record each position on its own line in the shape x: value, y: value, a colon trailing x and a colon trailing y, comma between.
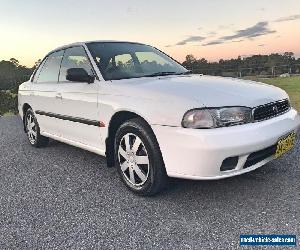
x: 198, y: 153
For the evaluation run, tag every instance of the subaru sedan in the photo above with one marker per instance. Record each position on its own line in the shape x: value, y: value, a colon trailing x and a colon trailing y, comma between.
x: 151, y: 117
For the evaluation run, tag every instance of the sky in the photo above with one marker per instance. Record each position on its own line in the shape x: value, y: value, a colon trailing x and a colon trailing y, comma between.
x: 211, y: 29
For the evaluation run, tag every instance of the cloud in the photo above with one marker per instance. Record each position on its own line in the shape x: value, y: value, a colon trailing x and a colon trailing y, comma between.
x: 288, y: 18
x: 191, y: 39
x: 261, y: 45
x: 212, y: 33
x: 213, y: 43
x: 216, y: 42
x: 169, y: 45
x: 259, y: 29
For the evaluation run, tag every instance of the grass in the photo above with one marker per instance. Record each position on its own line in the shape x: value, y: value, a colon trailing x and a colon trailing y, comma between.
x: 9, y: 114
x: 290, y: 84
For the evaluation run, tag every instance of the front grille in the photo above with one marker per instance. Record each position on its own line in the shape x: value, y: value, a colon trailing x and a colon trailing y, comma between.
x: 259, y: 156
x: 270, y: 110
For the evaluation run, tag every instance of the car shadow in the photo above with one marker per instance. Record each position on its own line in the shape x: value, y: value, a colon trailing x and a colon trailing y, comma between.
x: 242, y: 187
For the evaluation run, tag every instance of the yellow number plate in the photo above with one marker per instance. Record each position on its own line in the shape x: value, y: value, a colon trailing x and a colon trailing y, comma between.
x: 286, y: 144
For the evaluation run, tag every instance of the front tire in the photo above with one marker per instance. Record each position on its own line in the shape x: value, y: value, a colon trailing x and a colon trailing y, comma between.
x: 138, y: 158
x: 33, y: 130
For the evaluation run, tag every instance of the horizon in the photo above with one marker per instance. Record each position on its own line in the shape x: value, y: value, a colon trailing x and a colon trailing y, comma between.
x: 177, y: 28
x: 197, y: 58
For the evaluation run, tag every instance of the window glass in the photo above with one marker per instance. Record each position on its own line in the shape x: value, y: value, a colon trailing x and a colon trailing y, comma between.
x: 122, y: 60
x: 37, y: 73
x: 50, y: 69
x: 152, y: 62
x: 120, y: 65
x: 74, y: 57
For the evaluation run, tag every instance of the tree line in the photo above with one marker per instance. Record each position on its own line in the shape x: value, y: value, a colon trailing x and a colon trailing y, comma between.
x: 12, y: 74
x: 258, y: 65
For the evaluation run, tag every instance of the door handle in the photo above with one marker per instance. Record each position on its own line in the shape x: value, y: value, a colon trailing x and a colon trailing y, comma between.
x: 58, y: 96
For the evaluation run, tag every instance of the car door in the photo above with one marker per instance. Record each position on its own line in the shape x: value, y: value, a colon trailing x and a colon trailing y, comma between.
x: 44, y: 99
x: 79, y: 101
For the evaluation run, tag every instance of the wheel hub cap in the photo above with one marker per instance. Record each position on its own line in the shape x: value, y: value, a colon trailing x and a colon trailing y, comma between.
x: 133, y: 159
x: 31, y: 128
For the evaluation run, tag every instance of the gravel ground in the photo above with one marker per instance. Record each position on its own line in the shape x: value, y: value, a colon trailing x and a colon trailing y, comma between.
x: 62, y: 197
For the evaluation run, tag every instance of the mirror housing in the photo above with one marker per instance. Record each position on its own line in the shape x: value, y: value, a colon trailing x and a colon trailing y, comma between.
x: 79, y: 75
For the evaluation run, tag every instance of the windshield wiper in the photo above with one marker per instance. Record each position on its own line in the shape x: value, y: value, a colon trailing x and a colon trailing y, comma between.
x: 185, y: 73
x: 166, y: 73
x: 163, y: 73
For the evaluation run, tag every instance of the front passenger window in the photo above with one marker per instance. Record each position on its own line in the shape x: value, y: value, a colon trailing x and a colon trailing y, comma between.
x: 74, y: 57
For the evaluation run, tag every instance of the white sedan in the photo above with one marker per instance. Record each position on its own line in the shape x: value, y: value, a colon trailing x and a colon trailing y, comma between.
x: 151, y: 117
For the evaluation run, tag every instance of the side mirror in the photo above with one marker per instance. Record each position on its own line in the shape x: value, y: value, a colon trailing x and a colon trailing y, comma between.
x: 79, y: 75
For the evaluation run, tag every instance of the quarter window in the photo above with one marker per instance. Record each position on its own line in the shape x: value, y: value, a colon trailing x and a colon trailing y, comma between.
x: 38, y: 71
x: 50, y: 68
x: 74, y: 57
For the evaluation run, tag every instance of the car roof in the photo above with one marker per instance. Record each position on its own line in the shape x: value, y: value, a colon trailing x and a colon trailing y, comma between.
x: 86, y: 42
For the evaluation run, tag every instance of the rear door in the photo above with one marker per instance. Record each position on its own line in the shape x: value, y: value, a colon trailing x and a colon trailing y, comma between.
x: 44, y: 99
x: 79, y: 101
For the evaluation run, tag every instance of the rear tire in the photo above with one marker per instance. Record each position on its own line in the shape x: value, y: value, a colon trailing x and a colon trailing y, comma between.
x: 33, y: 130
x: 138, y: 158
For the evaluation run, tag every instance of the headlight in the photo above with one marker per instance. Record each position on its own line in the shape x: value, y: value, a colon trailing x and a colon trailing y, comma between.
x: 216, y: 117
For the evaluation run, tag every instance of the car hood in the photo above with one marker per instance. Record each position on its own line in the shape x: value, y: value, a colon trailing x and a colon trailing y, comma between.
x: 208, y: 91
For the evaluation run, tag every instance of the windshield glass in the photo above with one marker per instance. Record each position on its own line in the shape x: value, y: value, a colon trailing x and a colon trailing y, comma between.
x: 120, y: 60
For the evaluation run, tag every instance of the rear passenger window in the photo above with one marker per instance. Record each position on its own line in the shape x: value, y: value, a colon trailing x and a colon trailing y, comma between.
x: 50, y: 68
x: 74, y: 57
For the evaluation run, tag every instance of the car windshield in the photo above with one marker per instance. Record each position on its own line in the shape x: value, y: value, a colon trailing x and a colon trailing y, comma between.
x: 121, y: 60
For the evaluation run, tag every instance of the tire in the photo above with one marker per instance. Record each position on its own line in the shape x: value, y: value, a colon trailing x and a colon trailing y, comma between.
x: 138, y: 158
x: 33, y: 130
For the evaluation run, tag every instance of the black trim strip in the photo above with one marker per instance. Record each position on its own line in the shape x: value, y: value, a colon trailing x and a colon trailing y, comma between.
x: 71, y: 118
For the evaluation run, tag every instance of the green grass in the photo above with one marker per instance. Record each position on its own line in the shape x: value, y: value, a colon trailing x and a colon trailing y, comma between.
x: 290, y: 84
x: 9, y: 114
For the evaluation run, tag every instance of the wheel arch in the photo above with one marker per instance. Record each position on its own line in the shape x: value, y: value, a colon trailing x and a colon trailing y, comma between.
x: 116, y: 121
x: 25, y: 107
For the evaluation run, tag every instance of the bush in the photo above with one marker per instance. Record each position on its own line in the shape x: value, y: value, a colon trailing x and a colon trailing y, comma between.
x: 8, y: 102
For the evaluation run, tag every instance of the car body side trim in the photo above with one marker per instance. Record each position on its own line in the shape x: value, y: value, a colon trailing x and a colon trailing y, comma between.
x: 71, y: 118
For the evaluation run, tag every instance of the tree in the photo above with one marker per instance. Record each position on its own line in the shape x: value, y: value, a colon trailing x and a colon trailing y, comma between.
x: 14, y: 61
x: 189, y: 61
x: 272, y: 64
x: 12, y: 74
x: 37, y: 63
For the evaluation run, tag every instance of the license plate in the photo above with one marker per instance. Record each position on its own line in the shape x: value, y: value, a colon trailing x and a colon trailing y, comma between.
x: 285, y: 144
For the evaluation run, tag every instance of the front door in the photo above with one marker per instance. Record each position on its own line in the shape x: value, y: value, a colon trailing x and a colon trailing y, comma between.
x: 79, y: 101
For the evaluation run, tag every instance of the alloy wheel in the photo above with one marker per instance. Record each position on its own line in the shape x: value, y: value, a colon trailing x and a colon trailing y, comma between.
x: 133, y: 159
x: 31, y: 128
